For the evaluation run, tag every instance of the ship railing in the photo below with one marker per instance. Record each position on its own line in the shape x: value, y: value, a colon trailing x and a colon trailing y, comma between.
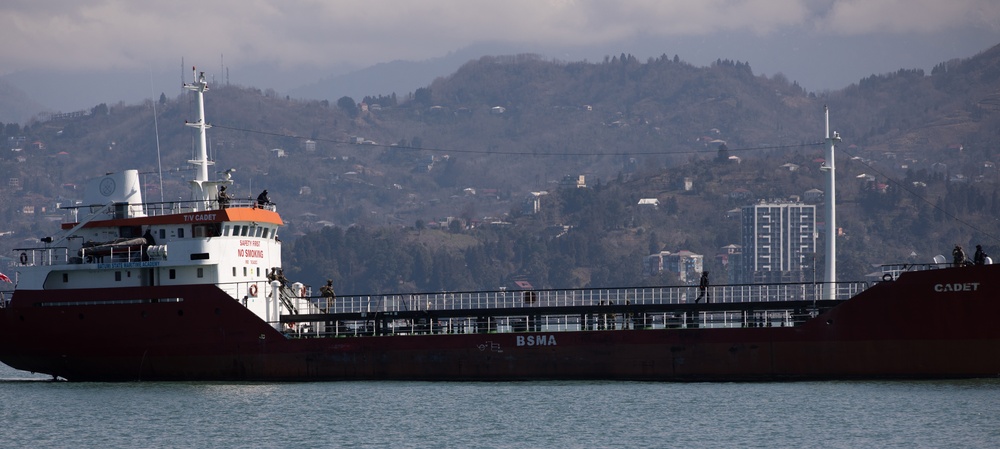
x: 158, y: 208
x: 892, y: 271
x: 180, y: 207
x: 510, y: 299
x: 55, y: 255
x: 61, y: 255
x: 778, y: 317
x: 40, y: 256
x: 124, y: 254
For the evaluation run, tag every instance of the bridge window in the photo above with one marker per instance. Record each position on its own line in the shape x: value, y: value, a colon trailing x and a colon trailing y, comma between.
x: 207, y: 230
x: 130, y: 231
x: 266, y: 231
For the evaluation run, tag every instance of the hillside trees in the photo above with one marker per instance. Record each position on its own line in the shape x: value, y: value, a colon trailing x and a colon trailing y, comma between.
x: 348, y: 105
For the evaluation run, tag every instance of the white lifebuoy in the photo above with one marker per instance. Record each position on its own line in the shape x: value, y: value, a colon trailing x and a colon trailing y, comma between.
x: 887, y: 277
x: 253, y: 290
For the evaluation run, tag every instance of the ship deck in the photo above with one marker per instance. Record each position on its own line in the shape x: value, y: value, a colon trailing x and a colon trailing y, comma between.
x: 732, y: 306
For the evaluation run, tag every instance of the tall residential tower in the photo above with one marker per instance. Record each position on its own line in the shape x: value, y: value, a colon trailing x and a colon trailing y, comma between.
x: 779, y: 242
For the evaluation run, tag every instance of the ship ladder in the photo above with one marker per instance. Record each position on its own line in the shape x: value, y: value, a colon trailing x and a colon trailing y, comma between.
x: 285, y: 296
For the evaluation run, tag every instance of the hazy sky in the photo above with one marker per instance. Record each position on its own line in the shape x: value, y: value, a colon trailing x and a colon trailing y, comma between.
x: 822, y: 44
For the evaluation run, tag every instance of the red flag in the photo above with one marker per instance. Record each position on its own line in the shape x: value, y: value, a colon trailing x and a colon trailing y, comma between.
x: 3, y: 277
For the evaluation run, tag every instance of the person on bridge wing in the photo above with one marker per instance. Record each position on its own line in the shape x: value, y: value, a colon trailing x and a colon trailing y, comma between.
x: 263, y: 199
x: 223, y: 197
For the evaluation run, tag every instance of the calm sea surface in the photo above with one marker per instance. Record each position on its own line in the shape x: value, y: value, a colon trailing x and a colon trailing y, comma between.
x: 37, y: 413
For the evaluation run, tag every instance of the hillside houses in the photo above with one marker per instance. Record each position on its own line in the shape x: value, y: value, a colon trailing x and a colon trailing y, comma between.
x: 685, y: 264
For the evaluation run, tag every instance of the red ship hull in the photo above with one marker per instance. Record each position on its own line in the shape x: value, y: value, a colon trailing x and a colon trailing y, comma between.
x: 931, y: 324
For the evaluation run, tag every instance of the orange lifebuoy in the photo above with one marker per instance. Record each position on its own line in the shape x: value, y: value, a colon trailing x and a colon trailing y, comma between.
x: 302, y: 292
x: 253, y: 290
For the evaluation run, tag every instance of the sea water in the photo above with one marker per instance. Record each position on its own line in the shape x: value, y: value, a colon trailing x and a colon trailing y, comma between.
x: 36, y: 412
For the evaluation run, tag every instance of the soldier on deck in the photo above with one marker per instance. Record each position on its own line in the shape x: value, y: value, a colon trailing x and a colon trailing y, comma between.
x: 328, y: 294
x: 980, y: 257
x: 223, y: 197
x: 327, y: 290
x: 958, y: 254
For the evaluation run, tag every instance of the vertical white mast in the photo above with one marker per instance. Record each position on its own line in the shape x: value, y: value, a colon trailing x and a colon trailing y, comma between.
x: 830, y: 274
x: 198, y: 193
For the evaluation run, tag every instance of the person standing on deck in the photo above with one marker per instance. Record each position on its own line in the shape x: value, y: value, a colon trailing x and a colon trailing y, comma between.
x: 223, y: 197
x: 703, y: 288
x: 328, y: 294
x: 263, y: 199
x: 959, y: 255
x: 980, y: 257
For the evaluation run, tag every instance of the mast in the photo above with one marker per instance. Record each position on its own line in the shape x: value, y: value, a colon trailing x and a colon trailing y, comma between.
x: 199, y: 194
x: 830, y: 273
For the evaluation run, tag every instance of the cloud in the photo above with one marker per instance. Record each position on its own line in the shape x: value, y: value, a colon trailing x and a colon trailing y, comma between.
x: 98, y: 34
x: 908, y: 16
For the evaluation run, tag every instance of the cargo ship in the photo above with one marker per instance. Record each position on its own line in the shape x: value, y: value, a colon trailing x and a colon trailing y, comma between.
x: 131, y: 290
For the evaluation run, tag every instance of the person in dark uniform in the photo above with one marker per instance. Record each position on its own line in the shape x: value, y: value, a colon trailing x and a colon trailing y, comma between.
x: 980, y: 257
x: 703, y: 288
x: 263, y: 199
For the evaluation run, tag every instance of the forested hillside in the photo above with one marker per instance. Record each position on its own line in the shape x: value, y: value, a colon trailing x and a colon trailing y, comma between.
x: 426, y: 190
